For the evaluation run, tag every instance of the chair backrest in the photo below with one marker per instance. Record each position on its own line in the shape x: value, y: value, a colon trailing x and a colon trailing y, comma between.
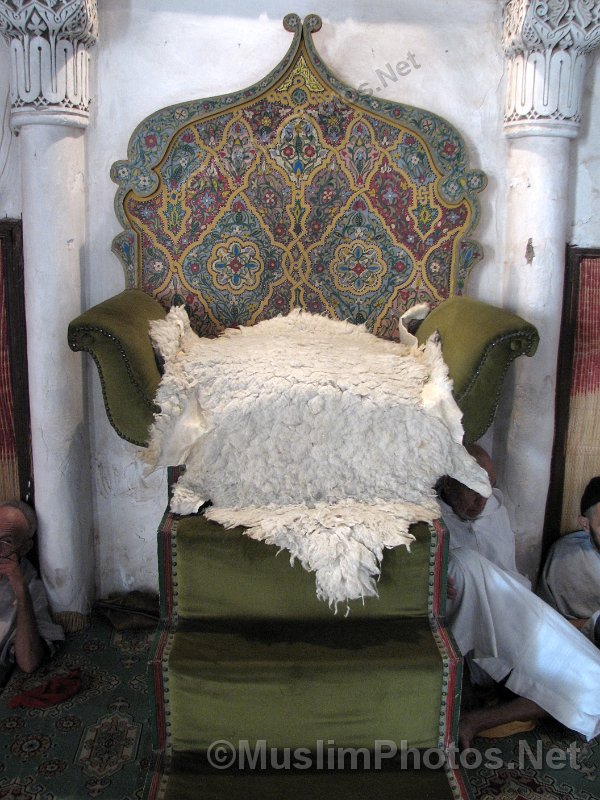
x: 296, y: 192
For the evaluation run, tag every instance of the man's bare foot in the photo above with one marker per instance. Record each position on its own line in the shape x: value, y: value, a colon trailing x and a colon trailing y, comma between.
x: 469, y: 726
x: 471, y: 723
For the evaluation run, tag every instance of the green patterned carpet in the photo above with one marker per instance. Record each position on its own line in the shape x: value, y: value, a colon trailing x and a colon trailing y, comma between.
x: 95, y: 745
x: 549, y: 763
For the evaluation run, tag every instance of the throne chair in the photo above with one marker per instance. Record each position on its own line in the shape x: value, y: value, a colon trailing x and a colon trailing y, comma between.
x: 298, y: 192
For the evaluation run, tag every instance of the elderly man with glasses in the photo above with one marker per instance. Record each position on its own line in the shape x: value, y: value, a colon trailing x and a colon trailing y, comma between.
x: 27, y: 632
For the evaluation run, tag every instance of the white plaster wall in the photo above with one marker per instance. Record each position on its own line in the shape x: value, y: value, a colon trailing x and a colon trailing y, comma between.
x: 585, y: 164
x: 10, y: 178
x: 153, y: 53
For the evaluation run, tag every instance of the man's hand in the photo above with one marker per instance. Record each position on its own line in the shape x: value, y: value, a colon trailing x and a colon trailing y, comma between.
x: 11, y: 570
x: 579, y: 623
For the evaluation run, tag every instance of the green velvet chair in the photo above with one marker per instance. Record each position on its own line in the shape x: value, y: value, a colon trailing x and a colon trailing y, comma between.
x: 297, y: 192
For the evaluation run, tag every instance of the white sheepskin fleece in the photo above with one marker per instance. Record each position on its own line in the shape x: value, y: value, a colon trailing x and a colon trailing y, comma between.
x: 316, y: 435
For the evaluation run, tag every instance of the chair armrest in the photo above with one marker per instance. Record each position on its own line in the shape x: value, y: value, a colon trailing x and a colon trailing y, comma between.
x: 479, y: 342
x: 115, y: 334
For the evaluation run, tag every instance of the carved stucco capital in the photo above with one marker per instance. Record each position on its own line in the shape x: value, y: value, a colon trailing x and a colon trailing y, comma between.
x: 546, y: 42
x: 49, y: 42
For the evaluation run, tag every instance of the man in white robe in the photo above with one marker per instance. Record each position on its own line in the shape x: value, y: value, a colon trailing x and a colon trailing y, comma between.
x: 509, y: 632
x: 570, y: 581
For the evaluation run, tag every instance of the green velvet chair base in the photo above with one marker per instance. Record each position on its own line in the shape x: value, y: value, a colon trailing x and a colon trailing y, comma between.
x: 351, y: 681
x: 423, y: 784
x: 246, y: 652
x: 223, y: 574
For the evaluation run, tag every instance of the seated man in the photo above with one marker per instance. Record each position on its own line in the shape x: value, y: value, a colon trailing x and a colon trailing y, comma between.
x: 570, y: 581
x: 475, y: 522
x: 27, y: 632
x: 511, y: 635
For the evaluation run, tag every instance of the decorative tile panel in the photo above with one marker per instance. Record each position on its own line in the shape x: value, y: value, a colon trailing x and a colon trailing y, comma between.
x: 298, y: 191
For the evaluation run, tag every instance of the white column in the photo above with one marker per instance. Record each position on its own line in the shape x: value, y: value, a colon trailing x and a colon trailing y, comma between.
x: 49, y: 88
x: 545, y: 48
x: 536, y: 232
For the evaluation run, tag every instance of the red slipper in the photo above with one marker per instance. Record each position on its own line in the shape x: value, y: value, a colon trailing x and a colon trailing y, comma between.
x: 56, y: 690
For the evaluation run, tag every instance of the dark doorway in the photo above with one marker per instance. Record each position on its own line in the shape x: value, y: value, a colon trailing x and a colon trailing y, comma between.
x: 16, y: 479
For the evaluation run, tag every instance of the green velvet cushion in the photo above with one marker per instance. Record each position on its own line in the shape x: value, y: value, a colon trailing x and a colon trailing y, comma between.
x: 223, y: 574
x: 355, y: 681
x: 479, y: 341
x: 115, y: 333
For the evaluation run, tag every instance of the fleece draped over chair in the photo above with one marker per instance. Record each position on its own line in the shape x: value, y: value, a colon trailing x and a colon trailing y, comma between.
x: 315, y: 434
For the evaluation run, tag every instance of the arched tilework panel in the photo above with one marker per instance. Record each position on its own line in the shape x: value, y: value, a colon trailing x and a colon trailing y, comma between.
x: 298, y: 191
